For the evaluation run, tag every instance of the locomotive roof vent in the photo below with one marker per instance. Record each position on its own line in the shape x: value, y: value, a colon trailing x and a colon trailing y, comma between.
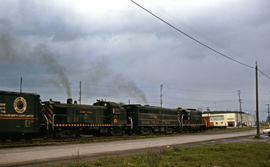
x: 69, y: 101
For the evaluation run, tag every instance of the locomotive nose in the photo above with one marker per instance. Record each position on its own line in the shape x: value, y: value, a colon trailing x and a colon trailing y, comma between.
x: 69, y: 101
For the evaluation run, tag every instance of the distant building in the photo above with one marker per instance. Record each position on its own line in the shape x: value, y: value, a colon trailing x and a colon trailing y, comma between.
x: 230, y: 118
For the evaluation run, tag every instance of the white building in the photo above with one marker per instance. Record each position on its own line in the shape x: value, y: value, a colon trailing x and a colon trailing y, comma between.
x: 230, y: 118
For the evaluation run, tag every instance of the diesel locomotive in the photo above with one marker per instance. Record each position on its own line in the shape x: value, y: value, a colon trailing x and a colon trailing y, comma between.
x: 25, y: 115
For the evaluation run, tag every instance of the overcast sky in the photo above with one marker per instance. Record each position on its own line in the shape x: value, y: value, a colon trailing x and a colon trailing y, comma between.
x: 120, y: 52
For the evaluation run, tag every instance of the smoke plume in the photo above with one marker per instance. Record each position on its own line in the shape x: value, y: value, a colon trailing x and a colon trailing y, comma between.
x: 46, y: 57
x: 13, y: 50
x: 100, y: 73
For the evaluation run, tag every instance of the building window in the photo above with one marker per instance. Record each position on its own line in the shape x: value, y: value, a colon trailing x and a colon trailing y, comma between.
x: 217, y: 118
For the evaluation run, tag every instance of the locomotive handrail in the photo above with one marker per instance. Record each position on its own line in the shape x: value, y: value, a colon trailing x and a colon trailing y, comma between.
x: 47, y: 120
x: 53, y: 122
x: 131, y: 122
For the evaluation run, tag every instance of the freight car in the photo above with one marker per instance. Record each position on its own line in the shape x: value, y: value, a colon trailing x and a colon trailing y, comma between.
x: 19, y: 115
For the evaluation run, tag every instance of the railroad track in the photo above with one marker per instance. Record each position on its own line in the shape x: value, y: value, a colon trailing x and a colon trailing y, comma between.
x: 91, y: 139
x: 80, y: 140
x: 37, y: 156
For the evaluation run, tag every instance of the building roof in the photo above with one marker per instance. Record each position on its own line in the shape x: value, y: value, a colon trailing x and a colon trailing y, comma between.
x: 222, y: 112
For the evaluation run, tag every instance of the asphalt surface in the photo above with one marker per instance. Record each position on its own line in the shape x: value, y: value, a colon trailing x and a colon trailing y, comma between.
x: 31, y: 156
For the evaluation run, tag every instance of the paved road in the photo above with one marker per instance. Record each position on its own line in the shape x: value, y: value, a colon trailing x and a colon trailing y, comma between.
x: 32, y: 155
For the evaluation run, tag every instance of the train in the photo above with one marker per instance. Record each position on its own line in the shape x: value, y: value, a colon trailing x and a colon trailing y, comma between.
x: 24, y: 115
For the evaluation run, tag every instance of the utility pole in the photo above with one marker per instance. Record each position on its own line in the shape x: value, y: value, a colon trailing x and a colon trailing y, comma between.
x: 80, y: 93
x: 268, y: 109
x: 257, y: 102
x: 161, y: 87
x: 240, y: 101
x: 21, y: 85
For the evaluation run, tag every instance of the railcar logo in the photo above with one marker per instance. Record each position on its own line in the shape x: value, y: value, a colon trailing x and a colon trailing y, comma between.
x: 20, y: 105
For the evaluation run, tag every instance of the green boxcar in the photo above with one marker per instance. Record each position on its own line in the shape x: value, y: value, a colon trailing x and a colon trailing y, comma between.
x: 19, y: 114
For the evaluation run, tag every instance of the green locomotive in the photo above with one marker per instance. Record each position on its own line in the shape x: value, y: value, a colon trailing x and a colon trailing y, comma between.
x: 24, y: 115
x: 149, y: 119
x: 75, y: 119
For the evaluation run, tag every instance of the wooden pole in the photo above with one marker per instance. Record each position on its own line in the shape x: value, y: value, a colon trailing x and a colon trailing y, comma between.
x: 257, y: 103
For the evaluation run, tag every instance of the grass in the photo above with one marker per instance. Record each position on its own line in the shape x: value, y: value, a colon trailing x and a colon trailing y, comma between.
x: 221, y: 155
x: 263, y: 124
x: 226, y: 130
x: 45, y: 142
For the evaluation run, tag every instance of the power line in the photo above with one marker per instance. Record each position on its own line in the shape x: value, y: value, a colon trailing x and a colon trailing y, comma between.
x: 192, y: 38
x: 267, y: 76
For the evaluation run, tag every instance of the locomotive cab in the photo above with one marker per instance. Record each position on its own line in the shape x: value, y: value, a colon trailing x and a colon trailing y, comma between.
x: 192, y: 119
x: 117, y: 116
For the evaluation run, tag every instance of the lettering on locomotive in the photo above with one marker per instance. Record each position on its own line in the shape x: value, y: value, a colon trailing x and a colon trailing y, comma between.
x: 2, y: 108
x: 86, y: 112
x: 16, y: 116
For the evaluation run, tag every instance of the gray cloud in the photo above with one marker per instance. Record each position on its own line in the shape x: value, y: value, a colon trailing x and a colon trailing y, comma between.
x: 144, y: 49
x: 38, y: 18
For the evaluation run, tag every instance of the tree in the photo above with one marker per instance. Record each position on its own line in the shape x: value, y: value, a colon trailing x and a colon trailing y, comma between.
x: 268, y: 118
